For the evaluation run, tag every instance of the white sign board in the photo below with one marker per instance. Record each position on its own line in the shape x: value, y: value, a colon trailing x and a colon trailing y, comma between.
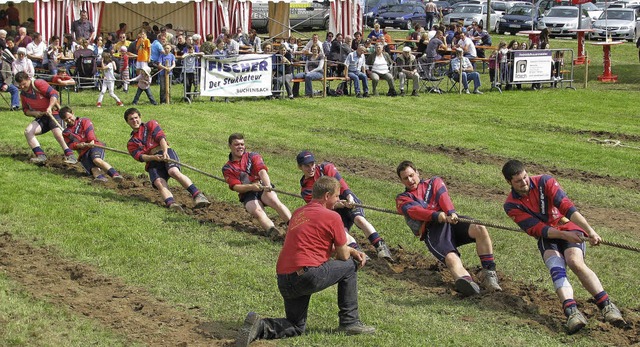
x: 529, y: 66
x: 242, y: 75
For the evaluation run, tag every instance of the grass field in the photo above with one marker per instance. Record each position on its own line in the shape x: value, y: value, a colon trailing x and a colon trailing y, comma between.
x: 212, y: 268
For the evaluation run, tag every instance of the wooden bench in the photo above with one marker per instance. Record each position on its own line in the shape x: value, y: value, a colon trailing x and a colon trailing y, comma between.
x: 326, y: 80
x: 484, y: 61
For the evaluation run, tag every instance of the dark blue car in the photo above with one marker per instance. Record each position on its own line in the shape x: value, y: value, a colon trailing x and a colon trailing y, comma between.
x: 518, y: 18
x: 372, y: 9
x: 403, y: 16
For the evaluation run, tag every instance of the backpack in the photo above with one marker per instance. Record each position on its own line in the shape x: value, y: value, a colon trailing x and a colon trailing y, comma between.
x: 343, y: 88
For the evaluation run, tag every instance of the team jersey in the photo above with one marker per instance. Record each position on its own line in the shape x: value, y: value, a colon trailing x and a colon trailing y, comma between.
x: 543, y: 207
x: 81, y: 131
x: 423, y: 204
x: 313, y: 232
x: 243, y: 171
x: 324, y: 169
x: 146, y: 138
x: 38, y: 96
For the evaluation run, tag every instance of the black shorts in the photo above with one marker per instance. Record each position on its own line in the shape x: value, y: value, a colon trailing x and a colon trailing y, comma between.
x: 444, y: 238
x: 160, y: 169
x: 46, y: 123
x: 249, y: 196
x: 558, y: 245
x: 87, y: 159
x: 349, y: 215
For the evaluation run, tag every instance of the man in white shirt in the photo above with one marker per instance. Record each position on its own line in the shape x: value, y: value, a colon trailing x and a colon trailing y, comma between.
x: 355, y: 71
x: 467, y: 46
x: 36, y: 50
x: 467, y: 72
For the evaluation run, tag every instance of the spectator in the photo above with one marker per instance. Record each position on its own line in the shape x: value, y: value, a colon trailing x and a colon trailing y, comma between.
x: 13, y: 15
x: 431, y: 11
x: 305, y: 267
x: 157, y: 48
x: 36, y: 51
x: 291, y: 44
x: 220, y: 51
x: 22, y: 40
x: 122, y: 42
x: 481, y: 38
x: 108, y: 67
x: 357, y: 41
x: 355, y: 71
x: 122, y: 30
x: 241, y: 36
x: 431, y: 54
x: 63, y: 79
x: 232, y: 46
x: 461, y: 64
x: 3, y: 39
x: 313, y: 70
x: 208, y: 46
x: 22, y: 63
x: 326, y: 45
x: 376, y: 34
x: 54, y: 54
x: 196, y: 42
x: 124, y: 69
x: 338, y: 53
x: 467, y: 45
x: 254, y: 41
x: 143, y: 50
x: 83, y: 28
x: 190, y: 64
x: 169, y: 35
x: 166, y: 65
x: 379, y: 65
x: 7, y: 87
x: 408, y: 68
x: 313, y: 42
x: 11, y: 46
x: 284, y: 70
x: 98, y: 49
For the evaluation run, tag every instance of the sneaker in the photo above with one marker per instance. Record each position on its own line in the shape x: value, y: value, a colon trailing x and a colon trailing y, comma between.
x: 15, y: 108
x: 99, y: 104
x: 201, y: 201
x: 117, y: 178
x: 70, y: 159
x: 291, y: 97
x: 392, y: 93
x: 357, y: 328
x: 402, y: 93
x: 466, y: 287
x: 176, y: 207
x: 359, y: 96
x: 383, y: 251
x: 365, y: 95
x: 41, y: 158
x: 575, y: 321
x: 477, y: 92
x: 414, y: 93
x: 120, y: 103
x: 490, y: 280
x: 466, y: 91
x: 100, y: 179
x: 249, y: 331
x: 612, y: 315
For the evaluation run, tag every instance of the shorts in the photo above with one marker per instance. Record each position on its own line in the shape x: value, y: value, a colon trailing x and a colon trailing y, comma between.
x: 160, y: 169
x: 349, y: 215
x: 87, y: 159
x: 141, y: 64
x: 46, y: 123
x: 444, y: 238
x: 558, y: 245
x: 249, y: 196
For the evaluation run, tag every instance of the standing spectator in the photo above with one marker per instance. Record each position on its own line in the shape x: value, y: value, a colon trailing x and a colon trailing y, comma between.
x: 144, y: 84
x: 40, y: 101
x: 148, y: 144
x: 355, y: 71
x: 157, y: 48
x: 122, y: 42
x: 246, y: 173
x: 190, y: 64
x: 541, y: 208
x: 349, y: 213
x: 13, y: 15
x: 143, y: 50
x: 430, y: 214
x: 80, y: 136
x: 326, y: 45
x: 22, y: 40
x: 408, y: 68
x: 305, y: 267
x: 284, y: 70
x: 462, y: 65
x: 108, y: 68
x: 338, y: 53
x: 430, y: 10
x: 379, y: 65
x: 122, y: 30
x: 196, y: 41
x: 83, y: 28
x: 208, y: 46
x: 22, y: 63
x: 7, y: 86
x: 124, y: 69
x: 165, y: 65
x: 36, y: 51
x: 313, y: 70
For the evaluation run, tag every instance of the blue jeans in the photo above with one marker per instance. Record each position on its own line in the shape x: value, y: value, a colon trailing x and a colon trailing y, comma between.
x: 296, y: 291
x: 466, y: 76
x: 308, y: 78
x: 15, y: 95
x: 148, y: 92
x: 355, y: 76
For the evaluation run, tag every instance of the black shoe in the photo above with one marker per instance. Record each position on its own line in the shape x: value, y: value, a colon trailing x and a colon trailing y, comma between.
x: 414, y: 93
x: 15, y: 108
x: 365, y: 95
x: 402, y: 93
x: 466, y: 287
x: 359, y: 96
x: 249, y: 331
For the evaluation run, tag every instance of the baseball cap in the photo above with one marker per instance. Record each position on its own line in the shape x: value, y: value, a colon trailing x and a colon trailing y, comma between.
x: 305, y: 157
x: 406, y: 49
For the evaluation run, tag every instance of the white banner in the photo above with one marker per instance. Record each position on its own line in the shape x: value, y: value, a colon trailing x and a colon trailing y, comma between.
x: 532, y: 65
x: 243, y: 75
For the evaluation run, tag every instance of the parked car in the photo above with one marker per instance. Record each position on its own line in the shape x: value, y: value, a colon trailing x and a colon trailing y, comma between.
x: 624, y: 4
x: 561, y: 19
x: 403, y: 16
x: 618, y: 23
x: 501, y: 7
x: 593, y: 11
x: 469, y: 13
x: 301, y: 15
x: 453, y: 5
x: 372, y: 9
x: 517, y: 18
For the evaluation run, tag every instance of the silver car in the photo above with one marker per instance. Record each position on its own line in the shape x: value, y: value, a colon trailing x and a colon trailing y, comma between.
x: 561, y: 19
x: 468, y: 13
x: 618, y: 23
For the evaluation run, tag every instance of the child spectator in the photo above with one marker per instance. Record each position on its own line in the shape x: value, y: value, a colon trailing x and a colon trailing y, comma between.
x: 124, y: 68
x: 63, y: 79
x: 189, y: 63
x: 108, y: 83
x: 143, y: 50
x: 167, y: 63
x: 144, y: 82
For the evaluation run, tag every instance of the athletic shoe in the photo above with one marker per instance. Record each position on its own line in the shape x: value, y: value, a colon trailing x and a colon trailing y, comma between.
x: 201, y: 201
x: 575, y: 321
x: 40, y: 158
x: 117, y: 178
x: 414, y: 93
x: 120, y: 103
x: 15, y: 108
x: 176, y: 207
x: 70, y: 159
x: 365, y: 95
x: 357, y: 328
x: 100, y: 179
x: 383, y: 251
x: 490, y: 281
x: 99, y: 104
x: 477, y: 92
x: 612, y: 315
x: 466, y: 287
x: 249, y: 331
x: 275, y: 234
x: 358, y: 95
x: 402, y: 93
x: 466, y: 91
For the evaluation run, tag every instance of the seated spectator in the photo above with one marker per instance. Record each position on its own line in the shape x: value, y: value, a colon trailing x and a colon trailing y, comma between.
x: 232, y: 46
x: 357, y: 41
x: 63, y: 79
x: 22, y: 40
x: 11, y: 46
x: 54, y: 53
x: 326, y: 45
x: 3, y: 39
x: 389, y: 45
x: 313, y: 70
x: 481, y: 38
x: 291, y: 44
x: 240, y: 36
x: 338, y: 53
x: 355, y: 71
x: 431, y: 54
x: 379, y: 65
x: 254, y: 41
x: 36, y: 51
x: 122, y: 42
x: 467, y: 72
x: 22, y: 63
x: 408, y: 68
x: 376, y: 34
x: 422, y: 44
x: 7, y: 87
x: 468, y: 48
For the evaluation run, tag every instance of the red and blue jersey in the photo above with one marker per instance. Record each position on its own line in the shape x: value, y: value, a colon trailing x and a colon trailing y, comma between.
x: 324, y: 169
x: 423, y: 204
x: 37, y: 98
x: 145, y: 139
x: 81, y: 131
x: 543, y: 207
x: 243, y: 171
